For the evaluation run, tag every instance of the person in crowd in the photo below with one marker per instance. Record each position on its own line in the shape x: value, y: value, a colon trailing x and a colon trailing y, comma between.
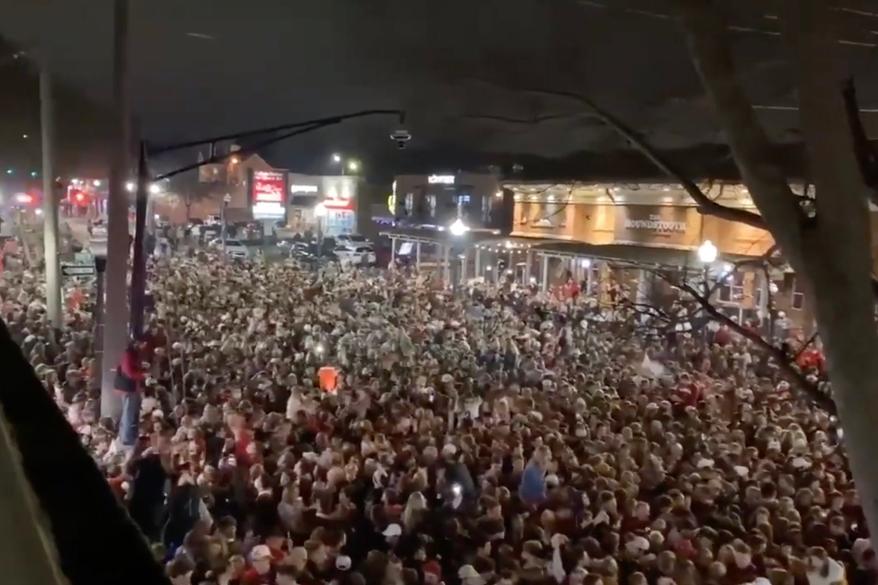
x: 129, y: 384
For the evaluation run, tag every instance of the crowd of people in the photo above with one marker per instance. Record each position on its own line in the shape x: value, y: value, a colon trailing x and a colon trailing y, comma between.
x: 371, y: 427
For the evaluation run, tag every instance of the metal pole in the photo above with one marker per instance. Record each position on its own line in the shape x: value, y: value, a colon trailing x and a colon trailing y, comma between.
x: 528, y: 268
x: 545, y: 275
x: 478, y: 266
x: 588, y: 279
x: 418, y: 256
x: 319, y: 238
x: 446, y: 265
x: 50, y: 202
x: 464, y: 267
x: 225, y: 229
x: 100, y: 270
x: 116, y: 311
x: 138, y: 269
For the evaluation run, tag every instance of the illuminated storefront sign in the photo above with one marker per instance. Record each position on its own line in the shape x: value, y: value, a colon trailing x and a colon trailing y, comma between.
x: 441, y: 179
x: 655, y: 223
x: 268, y: 194
x: 303, y: 189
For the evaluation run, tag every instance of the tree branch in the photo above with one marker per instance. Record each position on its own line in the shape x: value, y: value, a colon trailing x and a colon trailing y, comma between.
x: 804, y: 347
x: 809, y: 390
x: 711, y: 53
x: 758, y: 261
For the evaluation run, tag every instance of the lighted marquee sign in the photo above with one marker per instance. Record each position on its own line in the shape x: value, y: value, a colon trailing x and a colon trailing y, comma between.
x: 303, y: 188
x: 268, y: 187
x: 268, y: 194
x: 441, y: 179
x: 656, y: 223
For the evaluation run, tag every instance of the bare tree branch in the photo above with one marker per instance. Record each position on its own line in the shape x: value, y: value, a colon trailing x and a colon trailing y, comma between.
x: 809, y: 390
x: 749, y: 143
x: 762, y: 260
x: 804, y: 347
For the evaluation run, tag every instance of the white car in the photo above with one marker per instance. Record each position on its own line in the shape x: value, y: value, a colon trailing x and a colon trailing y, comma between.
x: 353, y: 241
x: 359, y: 256
x: 234, y: 248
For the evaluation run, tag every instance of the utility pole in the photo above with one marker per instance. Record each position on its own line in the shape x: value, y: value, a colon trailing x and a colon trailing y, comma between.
x: 115, y: 308
x: 138, y: 269
x: 50, y: 201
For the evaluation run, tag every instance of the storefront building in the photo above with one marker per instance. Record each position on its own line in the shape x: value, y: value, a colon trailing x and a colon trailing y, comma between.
x: 337, y: 194
x: 228, y: 184
x: 612, y: 237
x: 440, y: 198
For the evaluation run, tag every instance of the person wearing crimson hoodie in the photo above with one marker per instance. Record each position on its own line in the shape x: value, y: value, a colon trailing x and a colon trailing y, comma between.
x: 129, y: 383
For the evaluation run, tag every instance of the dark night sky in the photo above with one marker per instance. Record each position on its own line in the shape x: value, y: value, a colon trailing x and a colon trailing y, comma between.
x: 266, y: 61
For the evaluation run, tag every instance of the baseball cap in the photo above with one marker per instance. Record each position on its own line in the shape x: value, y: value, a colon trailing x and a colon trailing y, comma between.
x: 260, y: 552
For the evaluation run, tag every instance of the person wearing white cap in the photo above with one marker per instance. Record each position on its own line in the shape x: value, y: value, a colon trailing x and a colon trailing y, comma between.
x: 260, y: 571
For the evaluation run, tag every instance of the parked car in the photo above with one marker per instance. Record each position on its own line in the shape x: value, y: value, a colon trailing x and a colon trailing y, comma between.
x: 359, y: 256
x: 234, y: 248
x: 353, y: 241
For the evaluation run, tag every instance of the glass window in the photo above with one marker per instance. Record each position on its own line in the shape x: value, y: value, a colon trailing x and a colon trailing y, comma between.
x: 409, y: 203
x: 732, y: 289
x: 798, y: 295
x: 431, y: 204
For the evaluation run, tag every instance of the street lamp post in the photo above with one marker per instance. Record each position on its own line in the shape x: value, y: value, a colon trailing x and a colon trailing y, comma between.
x: 319, y: 215
x: 457, y: 229
x: 227, y: 198
x: 707, y: 254
x: 351, y: 165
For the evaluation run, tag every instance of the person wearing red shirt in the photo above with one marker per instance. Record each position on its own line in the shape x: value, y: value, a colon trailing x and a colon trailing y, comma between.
x: 261, y: 571
x: 129, y: 381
